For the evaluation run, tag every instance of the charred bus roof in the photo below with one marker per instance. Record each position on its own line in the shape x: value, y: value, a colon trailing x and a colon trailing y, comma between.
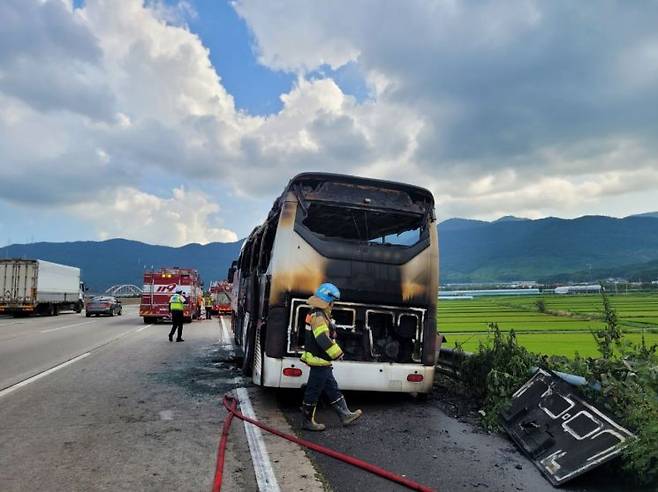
x: 316, y: 180
x: 358, y: 191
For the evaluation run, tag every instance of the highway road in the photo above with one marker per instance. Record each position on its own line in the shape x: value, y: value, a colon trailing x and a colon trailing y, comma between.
x: 92, y: 404
x: 131, y: 412
x: 29, y: 346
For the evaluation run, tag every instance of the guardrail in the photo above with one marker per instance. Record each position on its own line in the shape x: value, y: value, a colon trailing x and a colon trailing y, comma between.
x: 448, y: 362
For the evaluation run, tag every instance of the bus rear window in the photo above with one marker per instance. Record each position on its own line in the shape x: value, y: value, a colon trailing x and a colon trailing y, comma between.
x: 360, y: 224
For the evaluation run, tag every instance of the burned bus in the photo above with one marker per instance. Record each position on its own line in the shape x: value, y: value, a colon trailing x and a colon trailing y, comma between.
x: 377, y: 241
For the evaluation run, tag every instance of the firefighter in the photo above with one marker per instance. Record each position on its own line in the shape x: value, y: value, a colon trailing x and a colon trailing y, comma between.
x: 320, y: 348
x: 176, y: 306
x: 208, y: 305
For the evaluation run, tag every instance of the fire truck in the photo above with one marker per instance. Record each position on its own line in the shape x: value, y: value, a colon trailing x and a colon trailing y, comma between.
x: 221, y: 297
x: 160, y: 285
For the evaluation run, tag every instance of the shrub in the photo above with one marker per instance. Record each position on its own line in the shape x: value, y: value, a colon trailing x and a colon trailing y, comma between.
x: 626, y: 375
x: 540, y: 305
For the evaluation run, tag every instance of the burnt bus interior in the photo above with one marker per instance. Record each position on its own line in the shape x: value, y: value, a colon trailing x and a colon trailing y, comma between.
x: 366, y: 333
x: 362, y: 214
x: 355, y: 224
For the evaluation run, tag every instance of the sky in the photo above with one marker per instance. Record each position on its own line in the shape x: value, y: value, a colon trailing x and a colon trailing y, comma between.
x: 172, y: 122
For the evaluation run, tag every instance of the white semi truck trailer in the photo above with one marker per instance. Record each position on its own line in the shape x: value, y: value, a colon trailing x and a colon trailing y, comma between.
x: 39, y: 287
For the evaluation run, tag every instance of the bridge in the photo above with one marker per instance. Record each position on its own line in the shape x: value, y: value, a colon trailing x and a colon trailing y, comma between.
x: 124, y: 290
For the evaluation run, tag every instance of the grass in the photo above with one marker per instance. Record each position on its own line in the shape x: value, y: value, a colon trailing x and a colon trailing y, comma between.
x: 562, y: 330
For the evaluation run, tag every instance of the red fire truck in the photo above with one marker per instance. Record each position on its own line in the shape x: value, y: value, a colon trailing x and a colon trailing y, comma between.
x: 160, y: 285
x: 221, y: 297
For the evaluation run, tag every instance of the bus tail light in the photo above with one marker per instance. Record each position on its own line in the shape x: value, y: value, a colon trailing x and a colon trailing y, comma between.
x: 292, y: 372
x: 415, y: 378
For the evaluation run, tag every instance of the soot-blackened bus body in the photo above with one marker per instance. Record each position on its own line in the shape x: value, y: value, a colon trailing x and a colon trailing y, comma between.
x: 377, y: 241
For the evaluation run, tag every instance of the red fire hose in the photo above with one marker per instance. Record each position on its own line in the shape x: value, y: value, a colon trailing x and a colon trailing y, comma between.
x: 231, y: 404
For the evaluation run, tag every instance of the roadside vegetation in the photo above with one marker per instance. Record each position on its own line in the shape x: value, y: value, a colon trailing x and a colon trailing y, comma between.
x: 624, y: 370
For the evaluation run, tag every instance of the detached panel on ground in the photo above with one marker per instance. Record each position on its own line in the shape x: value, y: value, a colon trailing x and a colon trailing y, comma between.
x: 563, y: 435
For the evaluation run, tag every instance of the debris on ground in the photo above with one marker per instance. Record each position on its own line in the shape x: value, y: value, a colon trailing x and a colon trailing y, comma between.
x: 564, y: 435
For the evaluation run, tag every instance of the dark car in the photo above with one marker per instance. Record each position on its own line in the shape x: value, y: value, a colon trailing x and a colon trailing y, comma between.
x: 103, y: 305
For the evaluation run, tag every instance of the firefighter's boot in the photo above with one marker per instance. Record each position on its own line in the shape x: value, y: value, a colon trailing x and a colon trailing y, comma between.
x: 346, y: 416
x: 309, y: 423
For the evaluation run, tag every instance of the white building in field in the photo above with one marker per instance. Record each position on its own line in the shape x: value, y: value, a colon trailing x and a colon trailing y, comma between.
x: 461, y: 294
x: 579, y: 289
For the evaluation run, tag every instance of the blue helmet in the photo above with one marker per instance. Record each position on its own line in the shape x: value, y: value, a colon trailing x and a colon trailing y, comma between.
x: 328, y: 292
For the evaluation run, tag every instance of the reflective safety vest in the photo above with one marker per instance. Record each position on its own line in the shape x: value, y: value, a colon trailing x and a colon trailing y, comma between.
x: 319, y: 348
x: 177, y: 302
x: 208, y: 302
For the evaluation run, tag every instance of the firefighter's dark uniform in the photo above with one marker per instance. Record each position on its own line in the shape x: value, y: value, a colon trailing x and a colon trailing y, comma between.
x: 320, y: 349
x: 176, y: 308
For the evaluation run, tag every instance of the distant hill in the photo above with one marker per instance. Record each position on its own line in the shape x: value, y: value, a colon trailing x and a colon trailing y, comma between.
x: 647, y: 214
x: 510, y: 218
x: 458, y: 224
x: 507, y: 250
x: 117, y: 261
x: 636, y: 272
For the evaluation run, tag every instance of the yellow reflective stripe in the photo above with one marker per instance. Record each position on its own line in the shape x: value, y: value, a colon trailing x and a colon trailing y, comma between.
x: 312, y: 360
x: 320, y: 330
x: 334, y: 351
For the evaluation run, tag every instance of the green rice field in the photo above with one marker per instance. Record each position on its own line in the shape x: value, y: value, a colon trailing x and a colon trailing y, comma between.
x: 563, y: 329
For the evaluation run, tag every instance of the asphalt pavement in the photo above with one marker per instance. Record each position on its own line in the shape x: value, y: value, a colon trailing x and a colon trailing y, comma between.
x: 31, y: 345
x: 136, y: 413
x: 419, y: 440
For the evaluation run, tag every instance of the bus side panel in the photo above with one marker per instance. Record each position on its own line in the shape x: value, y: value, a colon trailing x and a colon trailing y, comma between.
x: 420, y: 279
x: 295, y: 267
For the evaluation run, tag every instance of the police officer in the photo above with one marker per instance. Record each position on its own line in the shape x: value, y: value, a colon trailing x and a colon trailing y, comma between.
x: 320, y: 348
x: 176, y: 306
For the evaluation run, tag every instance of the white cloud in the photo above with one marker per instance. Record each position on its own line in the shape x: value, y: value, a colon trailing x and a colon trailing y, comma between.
x: 185, y: 217
x: 550, y: 93
x: 496, y: 108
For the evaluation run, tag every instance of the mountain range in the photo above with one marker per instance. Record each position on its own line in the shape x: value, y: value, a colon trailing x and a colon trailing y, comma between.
x: 120, y: 261
x: 508, y: 249
x: 513, y: 249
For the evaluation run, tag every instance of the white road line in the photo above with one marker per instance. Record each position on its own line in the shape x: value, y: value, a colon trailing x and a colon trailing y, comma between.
x: 67, y: 326
x: 142, y: 328
x: 259, y: 457
x: 262, y: 466
x: 27, y: 381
